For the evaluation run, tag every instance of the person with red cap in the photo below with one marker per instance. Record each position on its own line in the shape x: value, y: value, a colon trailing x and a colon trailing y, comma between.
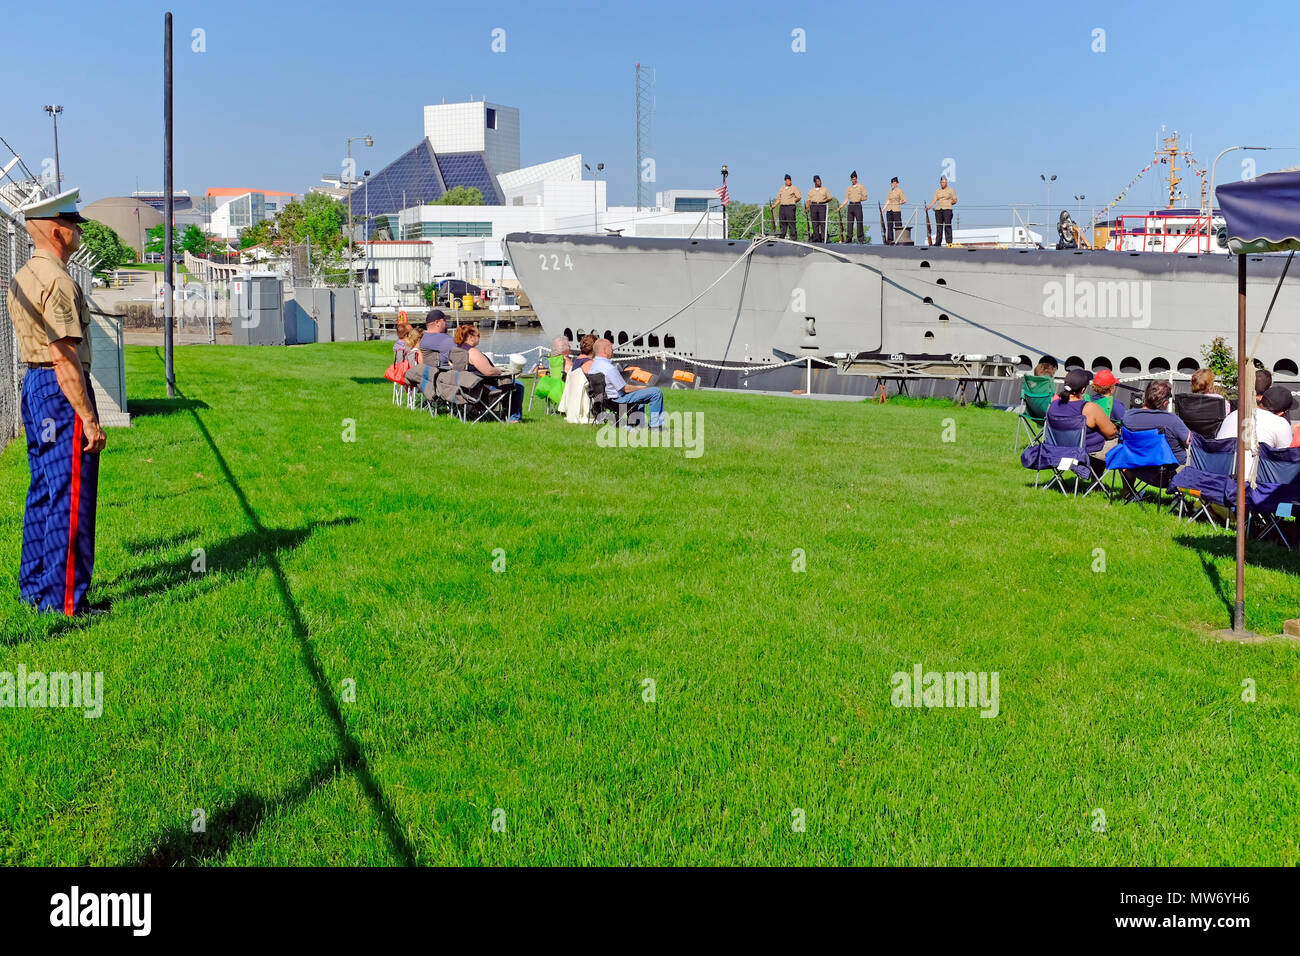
x: 1103, y: 393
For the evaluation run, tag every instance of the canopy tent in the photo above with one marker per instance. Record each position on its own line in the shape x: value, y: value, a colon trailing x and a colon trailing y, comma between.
x: 1261, y: 215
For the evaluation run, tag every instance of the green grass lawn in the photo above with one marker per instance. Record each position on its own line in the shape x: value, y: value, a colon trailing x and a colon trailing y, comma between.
x: 519, y: 697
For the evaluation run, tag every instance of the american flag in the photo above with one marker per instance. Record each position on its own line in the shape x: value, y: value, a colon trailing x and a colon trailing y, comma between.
x: 723, y: 194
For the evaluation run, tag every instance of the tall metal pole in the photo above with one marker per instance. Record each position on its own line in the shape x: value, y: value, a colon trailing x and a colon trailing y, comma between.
x: 168, y: 266
x: 351, y: 179
x: 1245, y: 407
x: 54, y: 112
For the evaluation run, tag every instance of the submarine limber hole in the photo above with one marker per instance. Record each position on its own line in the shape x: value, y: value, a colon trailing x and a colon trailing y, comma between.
x: 1073, y: 362
x: 654, y: 341
x: 1286, y: 367
x: 940, y: 281
x: 943, y: 317
x: 1130, y: 366
x: 1101, y: 362
x: 609, y: 335
x: 1158, y: 364
x: 670, y: 341
x: 928, y: 301
x: 924, y: 264
x: 622, y: 338
x: 1186, y: 366
x: 1023, y: 363
x: 929, y: 336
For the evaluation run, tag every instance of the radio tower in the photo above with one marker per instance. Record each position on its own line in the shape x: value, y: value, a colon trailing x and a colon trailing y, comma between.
x: 645, y: 107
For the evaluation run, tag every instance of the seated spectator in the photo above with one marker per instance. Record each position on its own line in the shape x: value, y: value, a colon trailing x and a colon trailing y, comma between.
x: 561, y: 346
x: 412, y: 344
x: 1103, y: 393
x: 1155, y: 414
x: 1271, y: 424
x: 467, y: 338
x: 400, y: 346
x: 435, y: 338
x: 1203, y: 384
x: 586, y: 350
x: 1070, y: 411
x: 1046, y: 366
x: 618, y: 389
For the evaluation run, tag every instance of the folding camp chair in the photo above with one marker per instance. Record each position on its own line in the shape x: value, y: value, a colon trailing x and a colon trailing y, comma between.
x: 603, y: 408
x: 1036, y: 393
x: 1209, y: 480
x: 1201, y: 413
x: 467, y: 394
x: 1277, y: 489
x: 1143, y: 461
x: 1062, y: 452
x: 550, y: 386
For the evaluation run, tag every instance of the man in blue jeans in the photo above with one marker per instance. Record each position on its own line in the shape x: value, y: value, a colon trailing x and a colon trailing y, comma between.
x: 617, y: 388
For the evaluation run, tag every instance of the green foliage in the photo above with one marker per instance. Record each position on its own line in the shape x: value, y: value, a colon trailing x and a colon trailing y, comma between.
x: 315, y: 217
x: 153, y: 239
x: 106, y: 245
x: 194, y: 241
x: 1221, y: 359
x: 460, y: 196
x: 383, y: 228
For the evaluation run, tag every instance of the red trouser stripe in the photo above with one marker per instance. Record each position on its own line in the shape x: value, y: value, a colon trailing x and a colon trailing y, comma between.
x: 68, y: 605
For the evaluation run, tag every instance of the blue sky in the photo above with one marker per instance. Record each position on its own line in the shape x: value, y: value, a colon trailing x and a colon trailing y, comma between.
x: 1005, y: 90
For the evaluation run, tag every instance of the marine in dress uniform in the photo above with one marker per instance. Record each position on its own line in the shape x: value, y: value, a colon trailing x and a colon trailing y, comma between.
x: 944, y: 199
x: 894, y: 210
x: 788, y: 199
x: 854, y: 198
x: 819, y: 197
x: 64, y: 437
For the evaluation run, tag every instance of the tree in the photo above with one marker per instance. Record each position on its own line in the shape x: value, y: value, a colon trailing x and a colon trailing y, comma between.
x: 461, y: 196
x: 383, y: 229
x: 154, y: 240
x: 193, y: 240
x: 106, y: 245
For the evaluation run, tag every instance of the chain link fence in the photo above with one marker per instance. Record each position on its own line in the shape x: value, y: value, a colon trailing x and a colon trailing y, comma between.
x: 13, y: 253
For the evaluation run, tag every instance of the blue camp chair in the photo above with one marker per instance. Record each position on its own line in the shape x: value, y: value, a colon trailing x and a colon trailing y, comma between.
x: 1277, y: 489
x: 1142, y: 460
x: 1210, y: 478
x: 1062, y: 452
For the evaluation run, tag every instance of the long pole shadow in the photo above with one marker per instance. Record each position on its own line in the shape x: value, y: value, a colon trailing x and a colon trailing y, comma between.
x: 352, y: 756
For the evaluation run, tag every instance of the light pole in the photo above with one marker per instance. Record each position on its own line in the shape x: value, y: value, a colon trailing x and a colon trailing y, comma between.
x: 595, y: 195
x: 54, y: 112
x: 370, y: 289
x: 1214, y: 167
x: 1048, y: 178
x: 724, y: 205
x: 1079, y: 198
x: 352, y: 178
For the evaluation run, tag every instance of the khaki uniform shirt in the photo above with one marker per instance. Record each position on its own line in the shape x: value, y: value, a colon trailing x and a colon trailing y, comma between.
x: 819, y: 194
x: 894, y: 201
x: 45, y: 305
x: 788, y: 196
x: 856, y: 193
x: 944, y: 198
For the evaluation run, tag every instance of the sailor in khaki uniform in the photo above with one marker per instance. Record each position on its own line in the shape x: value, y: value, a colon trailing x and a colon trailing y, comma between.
x: 64, y: 437
x: 894, y: 201
x: 944, y: 200
x: 815, y: 205
x: 854, y: 197
x: 788, y: 199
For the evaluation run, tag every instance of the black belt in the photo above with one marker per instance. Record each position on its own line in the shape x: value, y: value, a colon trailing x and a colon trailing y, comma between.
x: 40, y: 365
x: 854, y: 202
